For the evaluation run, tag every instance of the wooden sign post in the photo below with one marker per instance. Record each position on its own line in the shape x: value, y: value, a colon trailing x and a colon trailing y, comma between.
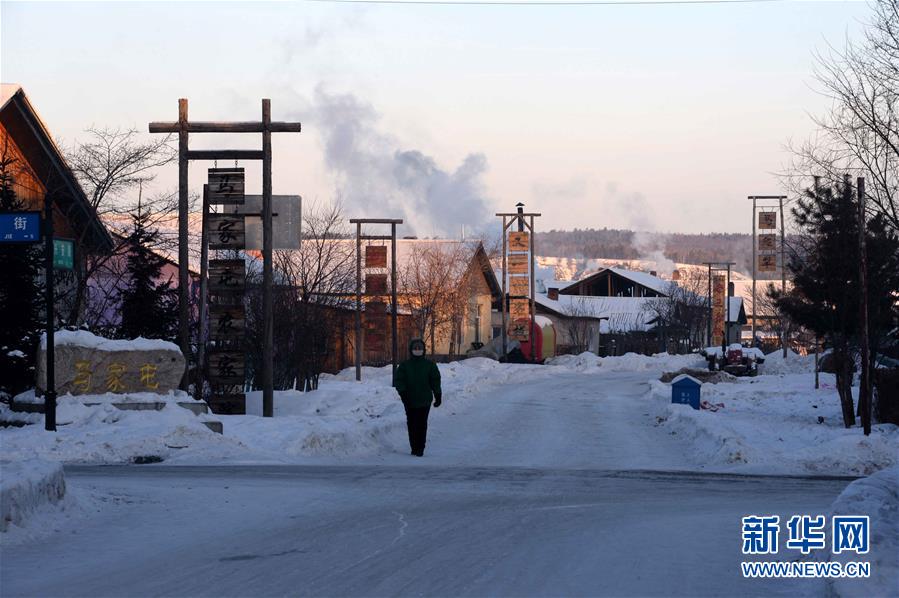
x: 375, y: 289
x: 765, y: 210
x: 224, y: 189
x: 518, y: 277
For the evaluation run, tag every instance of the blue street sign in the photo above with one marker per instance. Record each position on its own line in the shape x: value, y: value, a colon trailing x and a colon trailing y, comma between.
x: 20, y: 227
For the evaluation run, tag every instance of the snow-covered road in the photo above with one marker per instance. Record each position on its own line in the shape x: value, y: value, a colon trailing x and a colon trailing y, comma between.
x: 565, y: 421
x: 550, y: 487
x: 363, y: 530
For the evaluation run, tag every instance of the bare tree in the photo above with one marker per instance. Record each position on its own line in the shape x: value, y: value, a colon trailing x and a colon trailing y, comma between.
x: 435, y: 289
x: 774, y: 321
x: 312, y: 285
x: 860, y: 133
x: 681, y: 315
x: 580, y: 325
x: 111, y: 164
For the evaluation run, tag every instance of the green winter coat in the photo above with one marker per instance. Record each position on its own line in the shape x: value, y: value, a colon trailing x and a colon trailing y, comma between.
x: 417, y: 380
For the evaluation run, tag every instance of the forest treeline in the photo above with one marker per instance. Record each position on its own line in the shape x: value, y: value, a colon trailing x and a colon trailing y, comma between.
x: 627, y: 244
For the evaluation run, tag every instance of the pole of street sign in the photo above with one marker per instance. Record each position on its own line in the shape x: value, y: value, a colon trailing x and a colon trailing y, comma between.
x: 50, y: 390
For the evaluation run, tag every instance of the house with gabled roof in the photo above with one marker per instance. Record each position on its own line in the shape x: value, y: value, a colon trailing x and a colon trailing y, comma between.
x: 39, y: 168
x: 614, y: 305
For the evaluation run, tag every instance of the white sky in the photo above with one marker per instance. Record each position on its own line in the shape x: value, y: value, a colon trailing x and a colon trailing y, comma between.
x: 650, y: 117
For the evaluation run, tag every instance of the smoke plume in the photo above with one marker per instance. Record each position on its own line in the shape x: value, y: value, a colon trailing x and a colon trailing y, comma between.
x: 376, y: 177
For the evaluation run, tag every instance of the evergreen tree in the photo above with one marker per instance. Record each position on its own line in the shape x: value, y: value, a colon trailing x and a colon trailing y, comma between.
x: 825, y: 266
x: 21, y: 298
x: 149, y: 307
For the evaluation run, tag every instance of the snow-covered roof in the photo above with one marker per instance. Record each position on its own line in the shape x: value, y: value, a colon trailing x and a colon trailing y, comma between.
x: 617, y: 313
x: 643, y: 278
x: 686, y: 377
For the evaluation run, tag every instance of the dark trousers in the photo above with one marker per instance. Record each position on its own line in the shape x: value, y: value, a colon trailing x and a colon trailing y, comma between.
x: 417, y: 423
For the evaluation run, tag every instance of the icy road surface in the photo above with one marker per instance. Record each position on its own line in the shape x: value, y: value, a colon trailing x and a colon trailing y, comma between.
x: 553, y: 487
x: 362, y: 530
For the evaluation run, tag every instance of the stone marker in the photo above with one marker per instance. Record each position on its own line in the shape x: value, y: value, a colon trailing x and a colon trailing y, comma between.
x: 89, y: 364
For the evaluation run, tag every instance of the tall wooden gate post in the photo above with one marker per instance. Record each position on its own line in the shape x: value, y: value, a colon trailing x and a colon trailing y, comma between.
x: 183, y: 127
x: 393, y: 222
x: 757, y: 224
x: 524, y: 222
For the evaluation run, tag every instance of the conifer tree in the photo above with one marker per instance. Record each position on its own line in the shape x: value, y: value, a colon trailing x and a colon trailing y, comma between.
x: 21, y: 297
x: 825, y: 266
x: 149, y: 305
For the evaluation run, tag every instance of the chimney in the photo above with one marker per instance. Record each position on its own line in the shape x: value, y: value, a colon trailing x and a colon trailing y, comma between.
x: 675, y: 275
x: 552, y: 294
x: 653, y: 273
x: 730, y: 289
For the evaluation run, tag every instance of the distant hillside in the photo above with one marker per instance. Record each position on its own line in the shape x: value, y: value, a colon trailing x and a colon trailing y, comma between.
x: 622, y: 244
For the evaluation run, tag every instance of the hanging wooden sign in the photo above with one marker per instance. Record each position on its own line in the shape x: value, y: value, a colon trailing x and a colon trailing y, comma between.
x: 227, y: 367
x: 518, y: 331
x: 519, y: 241
x: 226, y: 231
x: 518, y: 263
x: 519, y: 286
x: 375, y: 284
x: 519, y: 308
x: 226, y: 322
x: 768, y: 242
x: 767, y: 263
x: 767, y: 220
x: 226, y: 276
x: 226, y: 186
x: 719, y: 293
x: 376, y: 256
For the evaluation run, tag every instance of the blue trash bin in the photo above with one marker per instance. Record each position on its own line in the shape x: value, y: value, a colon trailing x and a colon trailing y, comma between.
x: 686, y: 390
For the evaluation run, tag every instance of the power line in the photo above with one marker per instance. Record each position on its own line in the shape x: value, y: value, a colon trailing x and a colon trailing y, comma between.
x: 545, y: 2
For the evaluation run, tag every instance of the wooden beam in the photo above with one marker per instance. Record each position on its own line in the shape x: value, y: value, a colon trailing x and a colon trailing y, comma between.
x: 225, y: 127
x: 376, y: 221
x: 183, y: 255
x: 224, y: 154
x: 268, y: 386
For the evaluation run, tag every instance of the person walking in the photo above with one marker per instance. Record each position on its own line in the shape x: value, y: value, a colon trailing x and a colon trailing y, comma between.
x: 418, y: 382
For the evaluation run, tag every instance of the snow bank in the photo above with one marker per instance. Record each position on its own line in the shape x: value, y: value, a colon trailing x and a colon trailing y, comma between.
x: 629, y: 362
x: 775, y: 363
x: 25, y: 486
x: 877, y: 497
x: 776, y: 424
x: 101, y: 433
x: 83, y: 338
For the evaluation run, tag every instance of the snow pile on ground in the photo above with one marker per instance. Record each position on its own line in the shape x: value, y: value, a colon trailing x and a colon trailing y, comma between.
x: 629, y: 362
x: 877, y: 497
x: 25, y: 486
x: 775, y: 363
x: 776, y: 424
x: 102, y: 433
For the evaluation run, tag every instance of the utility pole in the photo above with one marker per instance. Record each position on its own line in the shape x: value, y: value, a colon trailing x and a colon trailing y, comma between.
x: 864, y: 389
x: 50, y: 391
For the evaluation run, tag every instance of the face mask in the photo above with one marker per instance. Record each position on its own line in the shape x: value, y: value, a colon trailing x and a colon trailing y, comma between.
x: 418, y: 352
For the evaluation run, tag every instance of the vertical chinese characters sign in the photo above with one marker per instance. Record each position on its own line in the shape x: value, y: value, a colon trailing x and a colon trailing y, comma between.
x: 719, y: 296
x: 227, y: 284
x: 519, y: 285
